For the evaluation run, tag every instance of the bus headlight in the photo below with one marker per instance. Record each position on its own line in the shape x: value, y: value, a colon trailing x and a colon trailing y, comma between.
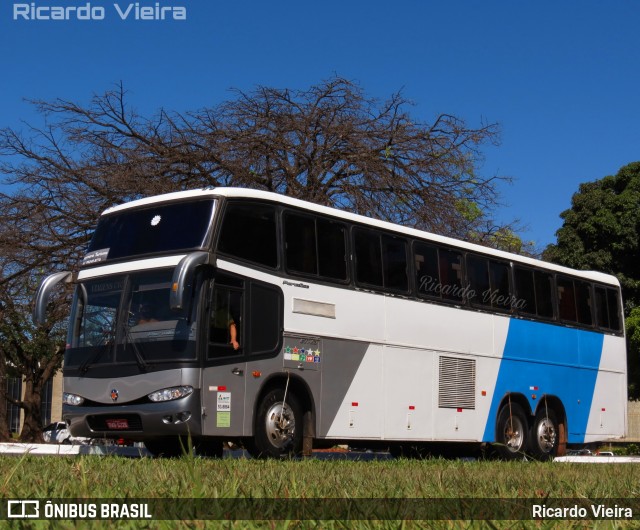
x: 168, y: 394
x: 72, y: 399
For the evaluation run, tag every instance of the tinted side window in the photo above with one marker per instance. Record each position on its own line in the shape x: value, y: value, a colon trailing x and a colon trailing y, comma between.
x: 602, y: 311
x: 249, y: 232
x: 427, y: 274
x: 500, y: 285
x: 478, y: 276
x: 451, y: 274
x: 394, y: 252
x: 583, y: 302
x: 525, y: 291
x: 368, y: 258
x: 300, y: 244
x: 566, y: 300
x: 544, y: 294
x: 607, y: 308
x: 265, y: 314
x: 332, y: 249
x: 613, y: 304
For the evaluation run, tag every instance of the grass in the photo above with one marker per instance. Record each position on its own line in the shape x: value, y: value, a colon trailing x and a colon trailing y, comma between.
x: 91, y: 477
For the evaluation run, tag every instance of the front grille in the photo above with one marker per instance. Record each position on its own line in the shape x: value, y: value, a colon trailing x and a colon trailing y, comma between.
x: 105, y: 422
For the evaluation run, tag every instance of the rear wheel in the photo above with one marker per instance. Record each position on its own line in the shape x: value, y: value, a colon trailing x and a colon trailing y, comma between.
x: 278, y: 429
x: 544, y: 437
x: 511, y: 432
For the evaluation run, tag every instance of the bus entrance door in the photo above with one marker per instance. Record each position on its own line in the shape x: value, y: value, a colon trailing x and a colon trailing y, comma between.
x: 223, y: 389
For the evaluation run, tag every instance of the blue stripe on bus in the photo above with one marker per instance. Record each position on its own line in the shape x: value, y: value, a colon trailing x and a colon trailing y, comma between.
x: 543, y: 359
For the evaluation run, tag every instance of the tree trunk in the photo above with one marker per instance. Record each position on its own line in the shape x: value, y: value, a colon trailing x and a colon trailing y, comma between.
x: 31, y: 404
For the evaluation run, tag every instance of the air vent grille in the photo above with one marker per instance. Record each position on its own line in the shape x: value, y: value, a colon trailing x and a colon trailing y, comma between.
x: 457, y: 383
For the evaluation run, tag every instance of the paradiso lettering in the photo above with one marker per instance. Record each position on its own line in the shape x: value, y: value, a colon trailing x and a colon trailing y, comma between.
x: 133, y: 11
x: 431, y: 286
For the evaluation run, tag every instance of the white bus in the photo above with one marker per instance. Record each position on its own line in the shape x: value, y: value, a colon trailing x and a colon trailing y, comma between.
x: 239, y: 315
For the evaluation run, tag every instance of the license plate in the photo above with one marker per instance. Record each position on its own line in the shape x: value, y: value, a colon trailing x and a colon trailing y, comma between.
x: 117, y: 425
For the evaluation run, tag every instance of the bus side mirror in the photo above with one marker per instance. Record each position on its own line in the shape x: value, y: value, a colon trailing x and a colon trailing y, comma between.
x: 45, y: 289
x: 183, y: 276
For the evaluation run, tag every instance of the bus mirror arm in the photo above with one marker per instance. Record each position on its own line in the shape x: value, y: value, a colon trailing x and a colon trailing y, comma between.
x: 183, y: 276
x: 45, y: 289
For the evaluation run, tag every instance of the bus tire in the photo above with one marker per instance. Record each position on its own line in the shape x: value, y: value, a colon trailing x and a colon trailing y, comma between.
x: 511, y: 432
x: 545, y: 434
x: 277, y: 436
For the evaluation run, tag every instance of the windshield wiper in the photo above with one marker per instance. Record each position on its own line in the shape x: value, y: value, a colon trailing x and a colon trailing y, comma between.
x: 88, y: 362
x: 143, y: 365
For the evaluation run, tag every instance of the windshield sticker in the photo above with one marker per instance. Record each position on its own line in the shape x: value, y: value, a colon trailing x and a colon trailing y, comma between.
x: 96, y: 256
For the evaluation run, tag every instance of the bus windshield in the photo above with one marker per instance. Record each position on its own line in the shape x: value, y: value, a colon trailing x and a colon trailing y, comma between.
x: 126, y: 319
x: 158, y: 228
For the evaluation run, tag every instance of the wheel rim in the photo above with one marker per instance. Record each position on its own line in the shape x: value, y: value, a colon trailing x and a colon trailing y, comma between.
x: 546, y: 435
x: 280, y: 425
x: 514, y: 434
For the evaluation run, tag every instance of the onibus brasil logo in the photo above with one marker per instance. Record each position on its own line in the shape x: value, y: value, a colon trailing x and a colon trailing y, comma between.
x: 136, y: 11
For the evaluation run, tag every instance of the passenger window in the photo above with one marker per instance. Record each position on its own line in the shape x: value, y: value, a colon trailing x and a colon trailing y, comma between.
x: 368, y: 258
x: 583, y: 302
x: 525, y: 291
x: 500, y: 285
x: 249, y: 232
x: 427, y: 274
x: 332, y: 249
x: 300, y: 244
x: 394, y: 252
x: 613, y: 304
x: 602, y: 311
x: 544, y: 294
x: 451, y: 275
x: 478, y: 276
x: 566, y: 300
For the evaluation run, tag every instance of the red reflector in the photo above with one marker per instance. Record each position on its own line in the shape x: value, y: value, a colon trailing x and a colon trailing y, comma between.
x: 221, y: 388
x: 354, y: 403
x: 603, y: 410
x: 459, y: 410
x: 412, y: 407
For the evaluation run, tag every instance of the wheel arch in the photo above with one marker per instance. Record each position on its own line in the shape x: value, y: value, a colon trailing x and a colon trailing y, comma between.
x: 297, y: 385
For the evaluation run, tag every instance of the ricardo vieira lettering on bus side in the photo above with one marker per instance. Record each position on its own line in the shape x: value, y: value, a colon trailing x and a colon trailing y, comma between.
x: 88, y: 11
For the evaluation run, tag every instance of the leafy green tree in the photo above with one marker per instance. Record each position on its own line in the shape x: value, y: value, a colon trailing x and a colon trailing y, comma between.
x: 601, y: 230
x: 632, y: 324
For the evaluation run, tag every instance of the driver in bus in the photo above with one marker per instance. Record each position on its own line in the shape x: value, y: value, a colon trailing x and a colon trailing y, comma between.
x: 224, y: 322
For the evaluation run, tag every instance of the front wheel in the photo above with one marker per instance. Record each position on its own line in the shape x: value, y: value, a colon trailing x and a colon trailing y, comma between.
x: 544, y: 434
x: 278, y: 429
x: 511, y: 432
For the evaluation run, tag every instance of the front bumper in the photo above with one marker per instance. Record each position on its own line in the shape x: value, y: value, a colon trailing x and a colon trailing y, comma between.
x: 137, y: 421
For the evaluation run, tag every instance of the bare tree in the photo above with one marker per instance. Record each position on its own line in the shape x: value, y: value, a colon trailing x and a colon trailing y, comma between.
x: 329, y: 144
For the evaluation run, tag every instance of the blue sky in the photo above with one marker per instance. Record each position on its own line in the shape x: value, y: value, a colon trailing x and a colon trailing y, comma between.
x: 561, y: 78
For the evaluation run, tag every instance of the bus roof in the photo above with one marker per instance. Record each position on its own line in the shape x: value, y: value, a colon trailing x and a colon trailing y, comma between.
x: 356, y: 218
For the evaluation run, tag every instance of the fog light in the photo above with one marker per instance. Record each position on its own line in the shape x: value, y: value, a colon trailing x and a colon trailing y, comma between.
x: 181, y: 417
